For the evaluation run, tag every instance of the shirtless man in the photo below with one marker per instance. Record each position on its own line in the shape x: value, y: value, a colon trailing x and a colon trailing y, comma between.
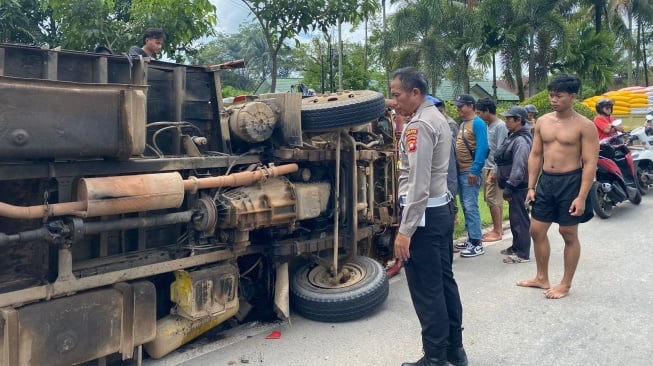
x: 565, y: 150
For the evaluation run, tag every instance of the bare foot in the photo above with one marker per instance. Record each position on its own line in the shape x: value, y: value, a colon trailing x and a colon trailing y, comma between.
x: 543, y: 284
x: 557, y: 292
x: 492, y: 236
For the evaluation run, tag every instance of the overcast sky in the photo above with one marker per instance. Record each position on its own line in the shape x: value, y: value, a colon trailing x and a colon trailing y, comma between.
x: 233, y: 13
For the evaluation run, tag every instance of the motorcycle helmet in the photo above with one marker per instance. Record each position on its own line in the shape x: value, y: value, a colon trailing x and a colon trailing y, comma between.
x: 530, y: 109
x: 602, y: 103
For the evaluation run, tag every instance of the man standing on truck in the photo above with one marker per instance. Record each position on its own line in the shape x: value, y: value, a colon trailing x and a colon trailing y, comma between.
x: 425, y: 234
x: 153, y: 40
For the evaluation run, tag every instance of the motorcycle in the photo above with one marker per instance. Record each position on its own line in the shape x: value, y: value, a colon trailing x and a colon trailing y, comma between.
x: 640, y: 144
x: 615, y: 176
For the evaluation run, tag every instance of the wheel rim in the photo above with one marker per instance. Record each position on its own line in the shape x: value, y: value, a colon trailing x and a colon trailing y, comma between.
x: 320, y: 277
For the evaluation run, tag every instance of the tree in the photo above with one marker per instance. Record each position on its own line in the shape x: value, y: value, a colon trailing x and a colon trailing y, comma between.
x: 599, y: 9
x: 460, y: 31
x: 119, y: 24
x: 283, y: 20
x: 592, y: 56
x: 640, y: 12
x: 247, y: 44
x: 21, y: 21
x: 354, y: 74
x: 546, y: 28
x: 224, y: 48
x: 413, y: 37
x: 495, y: 33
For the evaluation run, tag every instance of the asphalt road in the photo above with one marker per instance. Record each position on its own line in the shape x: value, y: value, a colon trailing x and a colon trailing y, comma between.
x: 606, y: 319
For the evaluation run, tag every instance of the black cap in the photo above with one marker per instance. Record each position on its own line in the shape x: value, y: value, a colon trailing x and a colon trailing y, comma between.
x: 516, y: 111
x: 464, y: 99
x: 103, y: 49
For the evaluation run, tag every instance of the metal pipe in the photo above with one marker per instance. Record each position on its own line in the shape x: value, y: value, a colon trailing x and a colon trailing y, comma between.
x: 239, y: 179
x: 36, y: 212
x: 140, y: 198
x: 336, y: 214
x: 352, y: 214
x: 43, y: 233
x: 25, y: 236
x: 370, y: 193
x: 91, y: 228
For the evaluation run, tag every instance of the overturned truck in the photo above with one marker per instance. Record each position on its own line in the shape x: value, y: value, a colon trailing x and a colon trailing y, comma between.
x: 138, y: 210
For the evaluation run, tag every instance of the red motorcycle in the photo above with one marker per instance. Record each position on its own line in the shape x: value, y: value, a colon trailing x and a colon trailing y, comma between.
x: 615, y: 176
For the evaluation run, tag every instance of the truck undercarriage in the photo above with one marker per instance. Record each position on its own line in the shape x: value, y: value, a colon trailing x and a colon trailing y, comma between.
x: 137, y: 209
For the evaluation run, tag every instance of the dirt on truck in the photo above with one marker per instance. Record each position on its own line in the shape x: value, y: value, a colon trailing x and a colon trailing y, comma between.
x: 138, y: 210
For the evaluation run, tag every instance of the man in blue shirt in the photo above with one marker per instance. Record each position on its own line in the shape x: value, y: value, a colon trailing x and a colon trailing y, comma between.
x: 471, y: 151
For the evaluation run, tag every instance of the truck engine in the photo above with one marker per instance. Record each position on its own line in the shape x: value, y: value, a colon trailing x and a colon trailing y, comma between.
x: 138, y: 210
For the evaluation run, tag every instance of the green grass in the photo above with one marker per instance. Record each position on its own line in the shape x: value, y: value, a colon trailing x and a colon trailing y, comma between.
x: 486, y: 219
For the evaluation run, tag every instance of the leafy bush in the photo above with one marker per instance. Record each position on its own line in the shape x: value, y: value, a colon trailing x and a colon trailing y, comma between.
x: 230, y: 91
x: 541, y: 102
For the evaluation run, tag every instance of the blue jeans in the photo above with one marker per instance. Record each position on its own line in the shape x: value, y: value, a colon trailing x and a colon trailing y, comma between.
x: 469, y: 199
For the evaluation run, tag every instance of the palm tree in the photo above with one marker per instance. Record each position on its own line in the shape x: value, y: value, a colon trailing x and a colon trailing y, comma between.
x: 546, y: 29
x: 414, y: 33
x: 592, y: 56
x: 640, y: 12
x: 496, y: 26
x: 460, y: 30
x: 600, y: 10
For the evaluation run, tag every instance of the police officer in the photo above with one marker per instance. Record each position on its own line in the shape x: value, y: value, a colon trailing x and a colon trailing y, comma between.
x: 426, y: 229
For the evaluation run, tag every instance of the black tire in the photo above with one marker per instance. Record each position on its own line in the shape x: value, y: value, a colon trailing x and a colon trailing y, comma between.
x: 338, y: 110
x: 637, y: 199
x: 602, y: 208
x: 642, y: 183
x: 314, y: 298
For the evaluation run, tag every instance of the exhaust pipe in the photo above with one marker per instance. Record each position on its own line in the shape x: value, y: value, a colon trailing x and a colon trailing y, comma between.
x: 137, y: 193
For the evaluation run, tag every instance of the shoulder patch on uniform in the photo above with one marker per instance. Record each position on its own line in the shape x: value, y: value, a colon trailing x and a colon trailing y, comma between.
x: 411, y: 139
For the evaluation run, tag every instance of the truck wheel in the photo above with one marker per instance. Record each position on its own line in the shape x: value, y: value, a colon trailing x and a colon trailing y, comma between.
x: 601, y: 206
x: 315, y: 297
x: 337, y: 110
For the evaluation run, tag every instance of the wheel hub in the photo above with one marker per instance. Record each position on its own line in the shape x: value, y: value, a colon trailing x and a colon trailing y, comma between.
x: 350, y: 275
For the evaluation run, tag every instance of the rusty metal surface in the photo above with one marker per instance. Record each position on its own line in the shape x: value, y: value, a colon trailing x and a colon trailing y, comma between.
x: 258, y: 206
x: 83, y: 327
x: 53, y: 119
x: 131, y: 193
x: 60, y: 288
x: 239, y: 179
x: 44, y: 170
x: 252, y: 122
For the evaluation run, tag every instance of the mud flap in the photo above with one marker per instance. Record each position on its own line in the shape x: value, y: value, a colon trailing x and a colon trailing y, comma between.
x: 281, y: 292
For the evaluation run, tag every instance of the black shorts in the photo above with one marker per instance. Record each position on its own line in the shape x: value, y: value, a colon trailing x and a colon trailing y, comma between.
x: 554, y: 195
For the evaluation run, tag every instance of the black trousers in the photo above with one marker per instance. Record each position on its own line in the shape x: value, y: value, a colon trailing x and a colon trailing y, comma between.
x: 520, y: 224
x: 431, y: 283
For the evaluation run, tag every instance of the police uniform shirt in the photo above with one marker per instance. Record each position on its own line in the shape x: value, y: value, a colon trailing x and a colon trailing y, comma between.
x: 424, y: 149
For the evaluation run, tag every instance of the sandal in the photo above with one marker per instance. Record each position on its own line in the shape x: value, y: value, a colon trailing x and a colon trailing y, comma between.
x: 514, y: 259
x: 507, y: 251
